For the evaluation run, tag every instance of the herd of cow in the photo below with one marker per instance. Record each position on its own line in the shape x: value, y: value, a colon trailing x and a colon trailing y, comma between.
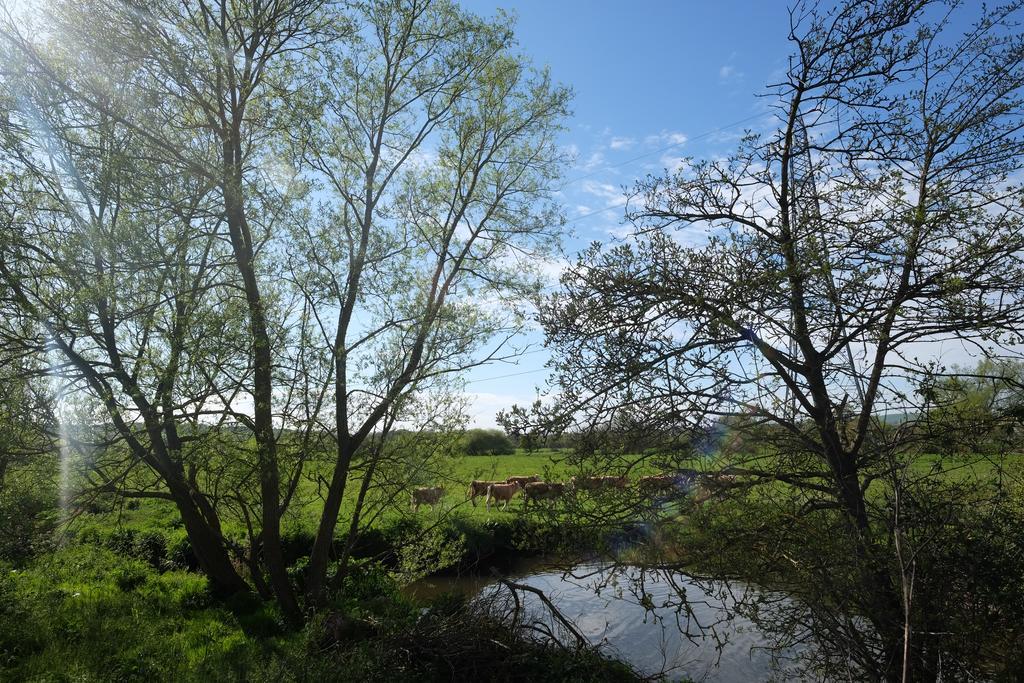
x: 534, y: 489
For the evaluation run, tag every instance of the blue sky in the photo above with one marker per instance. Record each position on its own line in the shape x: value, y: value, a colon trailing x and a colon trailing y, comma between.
x: 653, y: 81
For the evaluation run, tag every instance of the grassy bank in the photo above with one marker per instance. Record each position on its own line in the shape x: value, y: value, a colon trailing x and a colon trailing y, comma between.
x: 117, y: 597
x: 150, y: 530
x: 87, y: 613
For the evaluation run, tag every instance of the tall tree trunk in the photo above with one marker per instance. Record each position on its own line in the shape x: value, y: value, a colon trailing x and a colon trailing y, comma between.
x: 319, y: 558
x: 262, y: 392
x: 207, y: 544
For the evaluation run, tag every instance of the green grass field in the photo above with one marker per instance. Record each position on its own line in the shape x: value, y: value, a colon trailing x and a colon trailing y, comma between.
x: 551, y: 465
x: 157, y: 515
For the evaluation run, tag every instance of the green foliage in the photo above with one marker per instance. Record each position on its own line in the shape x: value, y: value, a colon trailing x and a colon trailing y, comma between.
x: 28, y: 516
x: 962, y: 541
x: 159, y: 547
x: 86, y: 613
x: 28, y: 491
x: 977, y: 410
x: 487, y: 442
x: 94, y: 615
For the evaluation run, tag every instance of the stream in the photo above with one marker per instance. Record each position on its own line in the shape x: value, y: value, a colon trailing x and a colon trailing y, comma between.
x: 636, y: 615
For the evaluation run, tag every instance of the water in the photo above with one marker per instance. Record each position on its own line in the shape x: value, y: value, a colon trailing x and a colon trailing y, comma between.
x: 637, y: 616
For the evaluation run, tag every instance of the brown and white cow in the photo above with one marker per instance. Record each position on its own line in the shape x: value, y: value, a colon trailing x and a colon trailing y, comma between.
x: 426, y: 495
x: 655, y: 483
x: 714, y: 485
x: 478, y: 487
x: 500, y: 492
x: 523, y: 481
x: 585, y: 483
x: 721, y: 480
x: 539, y: 490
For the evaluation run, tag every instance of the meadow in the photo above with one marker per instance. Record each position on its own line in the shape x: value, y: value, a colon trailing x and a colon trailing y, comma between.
x: 550, y: 464
x: 116, y: 597
x: 454, y: 476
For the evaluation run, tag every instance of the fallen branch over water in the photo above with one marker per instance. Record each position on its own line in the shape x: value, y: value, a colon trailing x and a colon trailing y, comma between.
x: 581, y: 640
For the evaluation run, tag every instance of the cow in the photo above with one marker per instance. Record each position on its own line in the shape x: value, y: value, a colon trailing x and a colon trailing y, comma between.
x: 426, y: 495
x: 714, y: 484
x: 614, y: 482
x: 585, y: 483
x: 721, y: 479
x: 522, y: 481
x: 683, y: 480
x: 538, y: 490
x: 502, y: 492
x: 478, y: 487
x: 656, y: 482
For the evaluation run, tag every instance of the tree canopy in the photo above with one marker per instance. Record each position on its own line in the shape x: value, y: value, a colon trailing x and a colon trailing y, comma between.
x: 293, y: 221
x: 797, y: 291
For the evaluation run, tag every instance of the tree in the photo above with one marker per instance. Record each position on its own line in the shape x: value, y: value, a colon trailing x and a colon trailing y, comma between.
x: 977, y: 410
x: 88, y: 221
x: 437, y: 149
x: 298, y: 220
x: 27, y: 439
x: 881, y: 217
x: 186, y: 96
x: 25, y: 407
x: 486, y: 442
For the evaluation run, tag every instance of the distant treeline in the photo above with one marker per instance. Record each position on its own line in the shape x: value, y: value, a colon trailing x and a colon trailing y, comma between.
x: 497, y: 442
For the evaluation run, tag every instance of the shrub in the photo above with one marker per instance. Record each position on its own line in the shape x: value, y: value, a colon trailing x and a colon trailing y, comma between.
x: 151, y: 547
x: 28, y: 513
x: 179, y: 553
x: 486, y: 442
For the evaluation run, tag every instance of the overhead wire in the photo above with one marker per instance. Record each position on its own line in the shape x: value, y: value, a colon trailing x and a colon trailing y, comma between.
x: 645, y: 155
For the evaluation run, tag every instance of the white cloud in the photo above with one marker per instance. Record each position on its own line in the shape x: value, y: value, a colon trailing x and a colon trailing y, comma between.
x: 620, y: 232
x: 483, y: 406
x: 665, y: 138
x: 423, y: 157
x: 726, y: 137
x: 621, y: 143
x: 608, y: 193
x: 552, y: 268
x: 594, y: 161
x: 726, y: 72
x: 672, y: 162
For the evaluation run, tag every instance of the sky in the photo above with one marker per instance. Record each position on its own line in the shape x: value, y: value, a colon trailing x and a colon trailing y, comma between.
x: 654, y: 80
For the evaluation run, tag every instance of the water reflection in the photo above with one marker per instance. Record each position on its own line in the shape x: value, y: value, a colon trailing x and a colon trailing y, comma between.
x: 659, y: 622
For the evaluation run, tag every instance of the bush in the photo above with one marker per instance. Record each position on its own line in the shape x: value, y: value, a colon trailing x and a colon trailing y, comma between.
x: 87, y: 613
x: 28, y: 513
x: 179, y: 553
x: 486, y: 442
x: 161, y: 548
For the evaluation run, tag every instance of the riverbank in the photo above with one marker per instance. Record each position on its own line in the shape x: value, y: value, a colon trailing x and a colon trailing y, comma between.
x: 118, y: 598
x: 124, y: 601
x: 87, y: 613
